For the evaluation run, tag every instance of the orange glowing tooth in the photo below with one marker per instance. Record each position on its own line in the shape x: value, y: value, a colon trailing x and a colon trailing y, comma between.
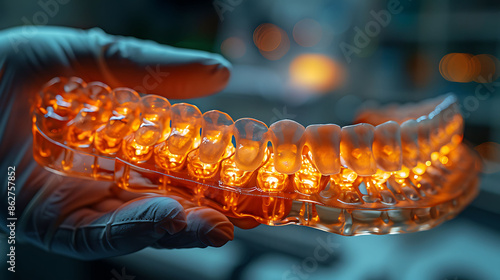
x: 251, y: 138
x: 124, y: 120
x: 155, y: 125
x: 96, y: 111
x: 356, y: 148
x: 288, y: 141
x: 387, y: 146
x: 409, y: 143
x: 186, y: 124
x: 59, y: 102
x: 324, y: 143
x: 216, y: 132
x: 154, y: 128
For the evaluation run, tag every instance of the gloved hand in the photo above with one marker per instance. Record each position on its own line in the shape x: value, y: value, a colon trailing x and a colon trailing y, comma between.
x: 87, y: 219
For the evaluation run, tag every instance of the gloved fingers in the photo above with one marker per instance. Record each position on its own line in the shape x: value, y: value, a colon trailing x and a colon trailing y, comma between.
x: 89, y: 234
x: 205, y: 227
x: 153, y: 68
x: 243, y: 223
x: 93, y: 55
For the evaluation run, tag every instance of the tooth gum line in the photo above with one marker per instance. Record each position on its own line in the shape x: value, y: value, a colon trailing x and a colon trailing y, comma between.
x: 251, y: 173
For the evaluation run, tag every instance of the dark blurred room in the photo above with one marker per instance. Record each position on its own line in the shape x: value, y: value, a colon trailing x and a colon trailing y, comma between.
x: 305, y: 61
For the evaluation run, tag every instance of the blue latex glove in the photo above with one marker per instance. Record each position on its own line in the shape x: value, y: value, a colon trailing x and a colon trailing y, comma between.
x: 82, y: 218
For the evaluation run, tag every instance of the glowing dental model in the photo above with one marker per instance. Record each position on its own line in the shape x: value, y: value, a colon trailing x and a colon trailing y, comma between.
x: 404, y: 169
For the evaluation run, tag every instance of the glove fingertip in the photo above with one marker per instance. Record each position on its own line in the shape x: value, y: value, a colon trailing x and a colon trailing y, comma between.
x: 220, y: 234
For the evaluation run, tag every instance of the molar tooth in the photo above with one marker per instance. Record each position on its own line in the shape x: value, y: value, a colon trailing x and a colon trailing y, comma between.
x: 125, y: 119
x: 251, y: 138
x: 387, y: 146
x: 138, y: 147
x: 288, y: 141
x: 356, y: 148
x: 186, y: 124
x: 155, y: 118
x: 409, y: 143
x: 96, y: 111
x: 216, y: 132
x: 324, y: 143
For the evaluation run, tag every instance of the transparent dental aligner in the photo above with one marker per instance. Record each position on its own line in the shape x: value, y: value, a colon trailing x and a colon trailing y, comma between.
x: 398, y: 169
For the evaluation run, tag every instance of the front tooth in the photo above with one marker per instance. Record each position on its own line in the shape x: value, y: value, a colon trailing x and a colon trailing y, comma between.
x: 387, y: 146
x: 409, y: 143
x: 288, y: 141
x: 216, y: 132
x: 324, y: 143
x: 155, y: 118
x: 356, y: 148
x: 251, y: 138
x: 186, y: 124
x: 424, y: 128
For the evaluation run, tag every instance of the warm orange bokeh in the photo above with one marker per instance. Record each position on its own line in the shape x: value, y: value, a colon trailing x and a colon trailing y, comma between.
x: 464, y: 68
x: 272, y: 41
x: 316, y: 73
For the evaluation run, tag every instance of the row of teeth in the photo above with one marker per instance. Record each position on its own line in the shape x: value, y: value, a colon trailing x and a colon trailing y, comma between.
x: 108, y: 117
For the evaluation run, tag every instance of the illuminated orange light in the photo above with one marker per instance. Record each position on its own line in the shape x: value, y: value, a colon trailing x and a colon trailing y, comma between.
x: 316, y: 72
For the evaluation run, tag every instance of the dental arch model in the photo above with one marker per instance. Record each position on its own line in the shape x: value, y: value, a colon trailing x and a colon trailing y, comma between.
x: 402, y: 169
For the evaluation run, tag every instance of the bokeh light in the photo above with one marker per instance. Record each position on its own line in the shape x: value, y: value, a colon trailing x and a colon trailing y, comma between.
x: 233, y: 47
x: 489, y: 65
x: 272, y: 41
x: 307, y: 32
x: 458, y: 67
x: 465, y: 68
x: 316, y: 73
x: 490, y: 155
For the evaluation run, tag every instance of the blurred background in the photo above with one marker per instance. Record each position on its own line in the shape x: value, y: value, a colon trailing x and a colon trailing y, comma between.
x: 315, y: 61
